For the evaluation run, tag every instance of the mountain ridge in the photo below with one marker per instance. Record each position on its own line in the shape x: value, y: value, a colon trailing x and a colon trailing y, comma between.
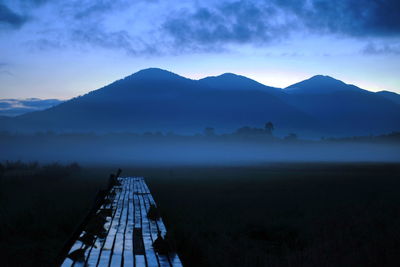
x: 231, y: 81
x: 328, y: 85
x: 392, y: 96
x: 158, y: 100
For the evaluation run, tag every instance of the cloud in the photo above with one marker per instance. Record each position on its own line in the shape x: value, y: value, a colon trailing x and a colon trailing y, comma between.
x: 3, y: 70
x: 87, y: 24
x: 94, y: 8
x: 15, y: 107
x: 10, y: 18
x: 185, y: 27
x: 238, y: 22
x: 382, y: 49
x: 263, y: 22
x: 350, y: 17
x: 97, y: 36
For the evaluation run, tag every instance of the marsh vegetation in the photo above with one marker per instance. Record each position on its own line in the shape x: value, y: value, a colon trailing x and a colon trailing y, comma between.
x: 310, y: 214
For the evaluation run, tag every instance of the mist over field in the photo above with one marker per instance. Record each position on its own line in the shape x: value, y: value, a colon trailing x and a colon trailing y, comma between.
x: 193, y: 150
x: 244, y: 122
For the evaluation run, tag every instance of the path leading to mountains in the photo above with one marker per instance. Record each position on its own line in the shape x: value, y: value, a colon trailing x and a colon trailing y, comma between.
x: 125, y: 231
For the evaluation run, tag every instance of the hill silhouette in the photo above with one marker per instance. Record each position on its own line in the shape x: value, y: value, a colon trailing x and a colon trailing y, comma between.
x: 390, y: 96
x: 158, y: 100
x: 346, y: 109
x: 230, y: 81
x: 319, y: 85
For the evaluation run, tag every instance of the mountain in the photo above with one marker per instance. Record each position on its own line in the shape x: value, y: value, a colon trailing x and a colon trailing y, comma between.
x: 346, y: 109
x: 319, y: 85
x: 390, y: 96
x: 159, y: 100
x: 15, y: 107
x: 230, y: 81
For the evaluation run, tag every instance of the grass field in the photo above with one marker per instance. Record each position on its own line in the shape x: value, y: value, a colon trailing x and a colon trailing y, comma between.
x: 264, y: 215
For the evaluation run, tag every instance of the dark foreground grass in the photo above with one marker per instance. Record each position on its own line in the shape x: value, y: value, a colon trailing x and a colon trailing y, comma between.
x: 283, y: 215
x: 40, y: 208
x: 265, y: 215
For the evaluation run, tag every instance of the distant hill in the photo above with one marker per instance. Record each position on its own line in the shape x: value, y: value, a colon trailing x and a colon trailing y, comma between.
x: 390, y: 95
x: 159, y: 100
x: 230, y: 81
x: 346, y: 109
x: 14, y: 107
x: 320, y: 85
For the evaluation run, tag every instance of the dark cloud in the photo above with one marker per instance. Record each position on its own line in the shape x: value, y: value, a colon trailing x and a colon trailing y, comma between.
x: 213, y: 26
x: 238, y: 22
x: 86, y: 28
x: 383, y: 49
x: 94, y: 8
x: 351, y: 17
x: 97, y: 36
x: 10, y: 18
x: 260, y: 22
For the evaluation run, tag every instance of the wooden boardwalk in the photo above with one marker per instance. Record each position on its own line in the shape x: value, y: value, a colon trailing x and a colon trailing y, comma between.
x: 120, y: 233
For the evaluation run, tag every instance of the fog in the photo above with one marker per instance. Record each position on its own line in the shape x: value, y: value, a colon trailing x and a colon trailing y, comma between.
x: 129, y: 149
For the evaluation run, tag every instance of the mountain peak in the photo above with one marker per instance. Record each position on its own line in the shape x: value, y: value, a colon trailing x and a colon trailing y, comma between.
x: 322, y: 80
x: 320, y: 84
x: 154, y: 74
x: 322, y: 76
x: 231, y: 75
x: 231, y: 81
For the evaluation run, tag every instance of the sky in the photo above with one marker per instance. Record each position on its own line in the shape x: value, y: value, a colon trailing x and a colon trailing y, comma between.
x: 61, y: 49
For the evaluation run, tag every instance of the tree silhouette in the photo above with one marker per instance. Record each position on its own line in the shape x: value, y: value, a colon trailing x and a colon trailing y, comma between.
x: 269, y: 128
x: 209, y: 131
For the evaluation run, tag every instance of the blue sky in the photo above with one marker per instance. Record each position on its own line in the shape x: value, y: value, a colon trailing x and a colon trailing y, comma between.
x: 61, y: 49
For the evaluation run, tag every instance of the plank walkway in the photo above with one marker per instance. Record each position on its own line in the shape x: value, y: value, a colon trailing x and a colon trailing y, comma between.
x: 120, y: 233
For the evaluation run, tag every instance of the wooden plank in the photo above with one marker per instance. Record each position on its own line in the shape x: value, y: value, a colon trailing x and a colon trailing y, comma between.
x: 93, y: 254
x: 106, y: 251
x: 128, y: 257
x: 140, y: 258
x: 118, y: 246
x: 75, y: 247
x: 160, y: 223
x: 173, y: 259
x: 151, y: 257
x: 138, y: 245
x: 129, y: 234
x: 67, y: 262
x: 78, y: 245
x: 163, y: 259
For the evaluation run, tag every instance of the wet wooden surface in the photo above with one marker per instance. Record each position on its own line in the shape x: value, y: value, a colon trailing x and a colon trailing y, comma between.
x: 120, y: 233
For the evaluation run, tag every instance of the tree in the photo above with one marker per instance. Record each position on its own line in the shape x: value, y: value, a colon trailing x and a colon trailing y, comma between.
x: 209, y: 131
x: 269, y: 128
